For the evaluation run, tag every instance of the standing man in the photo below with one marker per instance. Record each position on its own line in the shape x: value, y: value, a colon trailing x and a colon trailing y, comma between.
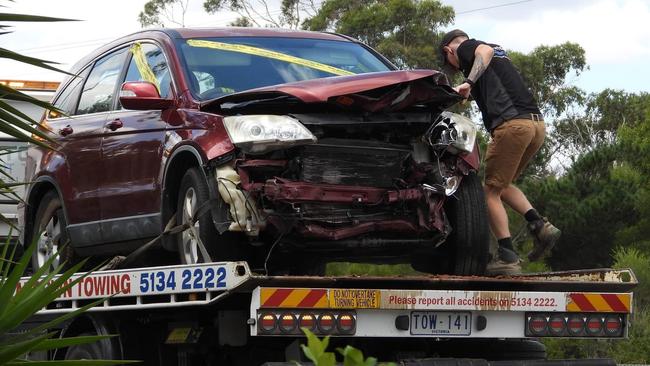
x: 511, y: 115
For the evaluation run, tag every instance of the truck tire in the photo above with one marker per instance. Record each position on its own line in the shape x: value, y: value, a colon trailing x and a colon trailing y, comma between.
x: 88, y: 351
x: 105, y: 349
x: 225, y: 247
x: 49, y: 234
x: 469, y: 242
x: 496, y: 350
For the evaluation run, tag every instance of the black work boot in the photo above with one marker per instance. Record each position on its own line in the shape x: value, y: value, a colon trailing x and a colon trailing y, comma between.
x: 545, y: 235
x: 504, y: 262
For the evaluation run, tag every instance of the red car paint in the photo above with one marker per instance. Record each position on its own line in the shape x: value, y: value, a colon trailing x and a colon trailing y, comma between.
x: 344, y: 90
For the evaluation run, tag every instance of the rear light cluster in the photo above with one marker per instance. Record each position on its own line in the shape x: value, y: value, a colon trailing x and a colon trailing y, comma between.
x: 574, y: 325
x: 281, y: 322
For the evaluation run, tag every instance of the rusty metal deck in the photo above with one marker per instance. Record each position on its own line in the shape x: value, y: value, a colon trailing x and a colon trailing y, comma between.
x: 593, y: 280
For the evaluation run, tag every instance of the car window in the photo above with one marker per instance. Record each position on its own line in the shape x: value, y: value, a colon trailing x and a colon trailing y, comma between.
x: 68, y: 98
x: 100, y: 87
x: 156, y: 62
x: 219, y: 66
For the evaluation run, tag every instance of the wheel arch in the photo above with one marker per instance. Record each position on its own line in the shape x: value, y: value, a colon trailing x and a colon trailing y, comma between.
x: 37, y: 191
x: 96, y: 324
x: 182, y: 159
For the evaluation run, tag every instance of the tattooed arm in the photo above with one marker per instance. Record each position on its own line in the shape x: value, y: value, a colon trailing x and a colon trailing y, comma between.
x: 482, y: 57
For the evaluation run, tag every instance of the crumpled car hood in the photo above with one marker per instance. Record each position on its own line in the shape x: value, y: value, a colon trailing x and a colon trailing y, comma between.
x: 372, y: 92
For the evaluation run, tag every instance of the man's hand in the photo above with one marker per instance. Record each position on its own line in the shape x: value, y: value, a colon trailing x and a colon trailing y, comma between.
x: 463, y: 89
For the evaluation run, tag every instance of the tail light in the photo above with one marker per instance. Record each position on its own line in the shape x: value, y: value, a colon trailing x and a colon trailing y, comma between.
x: 557, y: 325
x: 613, y: 325
x: 594, y: 324
x: 291, y: 322
x: 326, y: 323
x: 308, y: 321
x: 346, y: 323
x: 537, y: 324
x: 287, y: 323
x: 575, y: 325
x: 267, y: 322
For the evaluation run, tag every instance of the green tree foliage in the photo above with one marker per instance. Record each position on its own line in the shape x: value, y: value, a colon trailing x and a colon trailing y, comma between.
x: 601, y: 201
x: 163, y: 12
x: 589, y: 204
x: 259, y: 13
x: 545, y: 71
x: 405, y: 31
x: 598, y: 123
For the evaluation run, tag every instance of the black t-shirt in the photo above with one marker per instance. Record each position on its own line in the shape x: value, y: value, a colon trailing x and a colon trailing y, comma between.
x: 500, y: 92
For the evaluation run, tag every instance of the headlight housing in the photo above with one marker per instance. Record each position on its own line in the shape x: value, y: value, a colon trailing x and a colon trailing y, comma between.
x: 257, y: 134
x: 455, y: 131
x: 465, y: 132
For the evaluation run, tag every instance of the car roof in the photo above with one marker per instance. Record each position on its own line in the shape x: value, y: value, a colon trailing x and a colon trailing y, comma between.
x: 251, y: 32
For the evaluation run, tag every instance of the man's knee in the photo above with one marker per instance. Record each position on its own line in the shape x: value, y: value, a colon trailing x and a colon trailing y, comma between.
x: 492, y: 190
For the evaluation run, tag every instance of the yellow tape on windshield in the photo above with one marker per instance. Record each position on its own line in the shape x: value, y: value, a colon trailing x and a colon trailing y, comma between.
x: 268, y: 54
x: 142, y: 65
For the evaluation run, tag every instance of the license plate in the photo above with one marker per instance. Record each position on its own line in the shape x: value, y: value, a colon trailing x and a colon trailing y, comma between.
x: 441, y: 323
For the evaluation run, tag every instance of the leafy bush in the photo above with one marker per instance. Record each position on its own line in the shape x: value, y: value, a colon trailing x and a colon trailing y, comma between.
x: 19, y: 306
x: 316, y: 351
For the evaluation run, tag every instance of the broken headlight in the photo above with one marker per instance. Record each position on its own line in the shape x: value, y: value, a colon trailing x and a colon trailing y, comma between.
x: 455, y: 132
x: 261, y: 133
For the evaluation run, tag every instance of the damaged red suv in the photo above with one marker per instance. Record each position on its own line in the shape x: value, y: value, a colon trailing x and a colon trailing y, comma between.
x: 288, y: 149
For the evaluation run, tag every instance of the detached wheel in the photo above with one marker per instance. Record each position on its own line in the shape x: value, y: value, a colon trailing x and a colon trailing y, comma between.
x: 49, y: 235
x: 192, y: 194
x: 469, y: 242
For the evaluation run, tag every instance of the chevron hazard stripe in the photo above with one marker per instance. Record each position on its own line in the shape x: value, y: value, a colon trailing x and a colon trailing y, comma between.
x: 293, y: 298
x: 609, y: 303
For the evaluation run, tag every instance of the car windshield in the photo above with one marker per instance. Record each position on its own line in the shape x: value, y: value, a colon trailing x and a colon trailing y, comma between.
x: 220, y: 66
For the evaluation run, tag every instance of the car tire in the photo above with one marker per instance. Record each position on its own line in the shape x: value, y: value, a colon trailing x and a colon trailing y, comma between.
x: 469, y: 241
x: 465, y: 252
x: 221, y: 247
x: 49, y: 235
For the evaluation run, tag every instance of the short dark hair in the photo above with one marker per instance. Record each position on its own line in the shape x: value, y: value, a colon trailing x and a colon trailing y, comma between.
x: 446, y: 40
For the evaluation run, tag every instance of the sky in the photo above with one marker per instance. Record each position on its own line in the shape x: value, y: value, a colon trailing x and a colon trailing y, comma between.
x: 614, y: 33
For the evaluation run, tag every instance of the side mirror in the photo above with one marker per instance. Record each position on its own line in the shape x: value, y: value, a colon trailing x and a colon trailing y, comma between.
x: 142, y: 95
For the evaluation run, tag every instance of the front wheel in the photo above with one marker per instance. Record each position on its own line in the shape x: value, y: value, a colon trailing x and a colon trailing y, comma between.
x: 469, y: 242
x: 466, y: 250
x: 221, y: 247
x: 49, y: 235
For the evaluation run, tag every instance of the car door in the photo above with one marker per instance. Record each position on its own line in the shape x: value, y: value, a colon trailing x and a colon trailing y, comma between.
x: 132, y: 148
x: 79, y: 141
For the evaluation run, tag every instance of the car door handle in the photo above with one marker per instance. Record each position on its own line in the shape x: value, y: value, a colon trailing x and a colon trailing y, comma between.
x: 65, y: 131
x: 115, y: 124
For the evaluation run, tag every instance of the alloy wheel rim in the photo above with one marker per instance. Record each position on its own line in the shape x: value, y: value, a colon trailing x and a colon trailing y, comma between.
x: 188, y: 237
x: 49, y: 243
